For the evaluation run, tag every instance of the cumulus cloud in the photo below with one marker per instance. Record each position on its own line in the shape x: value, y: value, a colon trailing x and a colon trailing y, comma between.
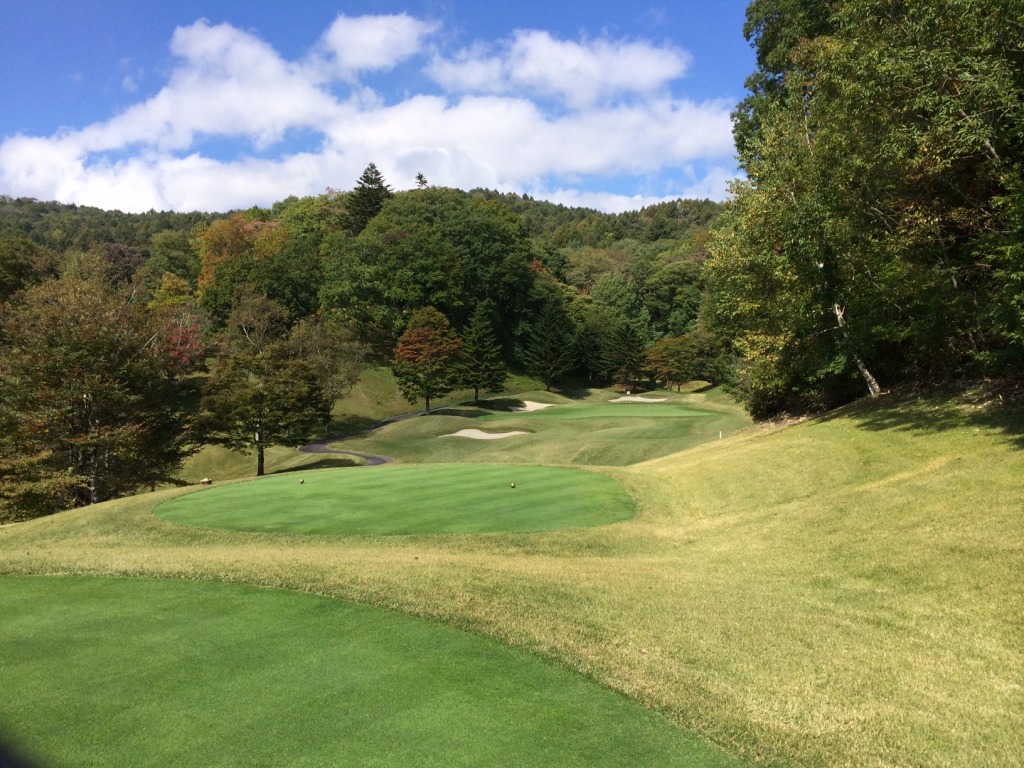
x: 579, y: 74
x: 494, y: 125
x: 374, y: 43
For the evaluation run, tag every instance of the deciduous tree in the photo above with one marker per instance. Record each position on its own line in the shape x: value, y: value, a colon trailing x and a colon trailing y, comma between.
x: 878, y: 230
x: 255, y: 400
x: 427, y: 357
x: 90, y: 412
x: 332, y: 347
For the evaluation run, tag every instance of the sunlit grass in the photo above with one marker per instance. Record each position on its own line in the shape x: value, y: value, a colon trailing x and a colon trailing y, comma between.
x: 408, y: 500
x: 141, y: 672
x: 581, y: 431
x: 846, y: 591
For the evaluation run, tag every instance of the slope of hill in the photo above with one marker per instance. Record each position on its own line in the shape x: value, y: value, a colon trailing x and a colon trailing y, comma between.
x: 843, y: 591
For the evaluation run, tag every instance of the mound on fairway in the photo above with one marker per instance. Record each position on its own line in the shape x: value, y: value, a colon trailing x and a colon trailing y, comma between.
x: 428, y: 499
x: 102, y: 672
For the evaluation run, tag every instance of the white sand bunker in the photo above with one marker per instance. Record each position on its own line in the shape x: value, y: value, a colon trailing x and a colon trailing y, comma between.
x: 477, y: 434
x: 637, y: 399
x: 530, y: 405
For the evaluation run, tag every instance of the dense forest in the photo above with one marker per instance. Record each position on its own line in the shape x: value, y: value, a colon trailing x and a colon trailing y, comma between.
x: 879, y: 237
x: 128, y: 336
x: 876, y: 241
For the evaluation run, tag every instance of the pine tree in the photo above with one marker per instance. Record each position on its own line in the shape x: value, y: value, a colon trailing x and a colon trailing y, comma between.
x: 624, y: 356
x: 482, y: 364
x: 367, y: 199
x: 550, y: 346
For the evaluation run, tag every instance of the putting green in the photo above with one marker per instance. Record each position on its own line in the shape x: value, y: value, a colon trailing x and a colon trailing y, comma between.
x: 102, y: 672
x: 421, y: 499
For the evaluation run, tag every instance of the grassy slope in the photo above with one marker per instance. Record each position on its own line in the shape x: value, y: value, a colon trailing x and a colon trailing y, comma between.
x: 582, y: 430
x: 197, y: 682
x: 394, y: 500
x: 374, y: 398
x: 842, y: 592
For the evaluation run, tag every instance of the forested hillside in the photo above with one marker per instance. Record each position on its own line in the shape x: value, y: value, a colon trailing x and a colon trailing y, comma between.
x: 876, y: 241
x: 879, y: 237
x: 109, y: 317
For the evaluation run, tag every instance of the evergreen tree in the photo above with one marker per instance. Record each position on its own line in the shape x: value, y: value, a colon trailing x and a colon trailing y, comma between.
x: 366, y: 200
x: 482, y: 364
x: 550, y: 345
x: 624, y: 356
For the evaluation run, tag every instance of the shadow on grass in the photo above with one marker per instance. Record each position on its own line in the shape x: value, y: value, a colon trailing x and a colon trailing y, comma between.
x: 501, y: 404
x: 350, y: 425
x: 995, y: 406
x: 327, y: 463
x: 575, y: 392
x: 465, y: 413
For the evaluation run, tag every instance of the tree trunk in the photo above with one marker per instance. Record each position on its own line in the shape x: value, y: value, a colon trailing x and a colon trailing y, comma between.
x: 428, y: 405
x: 476, y: 395
x: 94, y: 483
x: 873, y: 389
x: 259, y: 459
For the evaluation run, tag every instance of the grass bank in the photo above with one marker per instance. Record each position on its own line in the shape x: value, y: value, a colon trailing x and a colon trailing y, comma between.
x: 178, y: 673
x: 842, y: 592
x: 584, y: 429
x: 395, y: 500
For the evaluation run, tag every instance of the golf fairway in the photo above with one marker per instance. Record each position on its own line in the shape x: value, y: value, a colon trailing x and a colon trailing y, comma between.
x: 422, y: 499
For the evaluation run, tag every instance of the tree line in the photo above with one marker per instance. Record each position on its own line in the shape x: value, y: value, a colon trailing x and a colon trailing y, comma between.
x: 119, y: 359
x: 877, y: 239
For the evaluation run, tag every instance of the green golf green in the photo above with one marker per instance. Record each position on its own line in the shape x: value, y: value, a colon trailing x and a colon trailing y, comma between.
x: 421, y: 499
x: 102, y: 672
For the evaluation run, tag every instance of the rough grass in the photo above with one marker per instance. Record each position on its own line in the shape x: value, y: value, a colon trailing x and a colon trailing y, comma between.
x: 842, y: 592
x: 375, y: 397
x: 391, y: 500
x: 583, y: 430
x: 179, y: 673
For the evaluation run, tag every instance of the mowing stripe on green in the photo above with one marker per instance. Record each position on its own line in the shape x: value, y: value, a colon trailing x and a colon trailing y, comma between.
x: 423, y: 499
x: 103, y: 672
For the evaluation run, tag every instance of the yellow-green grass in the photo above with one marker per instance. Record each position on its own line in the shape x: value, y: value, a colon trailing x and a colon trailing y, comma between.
x: 375, y: 397
x: 473, y: 498
x: 101, y: 672
x: 842, y: 592
x: 580, y: 431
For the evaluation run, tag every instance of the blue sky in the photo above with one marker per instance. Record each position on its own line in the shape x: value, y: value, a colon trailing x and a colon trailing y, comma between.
x: 222, y: 105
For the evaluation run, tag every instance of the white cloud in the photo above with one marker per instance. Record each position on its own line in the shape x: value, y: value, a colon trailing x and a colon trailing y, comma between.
x: 374, y: 43
x: 230, y: 85
x: 578, y: 74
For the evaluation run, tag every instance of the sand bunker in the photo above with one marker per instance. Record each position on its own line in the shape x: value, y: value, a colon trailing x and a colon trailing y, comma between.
x: 530, y: 405
x: 637, y: 399
x: 477, y: 434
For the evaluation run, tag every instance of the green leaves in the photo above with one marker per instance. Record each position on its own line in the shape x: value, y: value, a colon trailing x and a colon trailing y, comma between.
x: 878, y: 141
x: 88, y: 410
x: 255, y: 400
x: 427, y: 357
x: 482, y: 366
x: 550, y: 347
